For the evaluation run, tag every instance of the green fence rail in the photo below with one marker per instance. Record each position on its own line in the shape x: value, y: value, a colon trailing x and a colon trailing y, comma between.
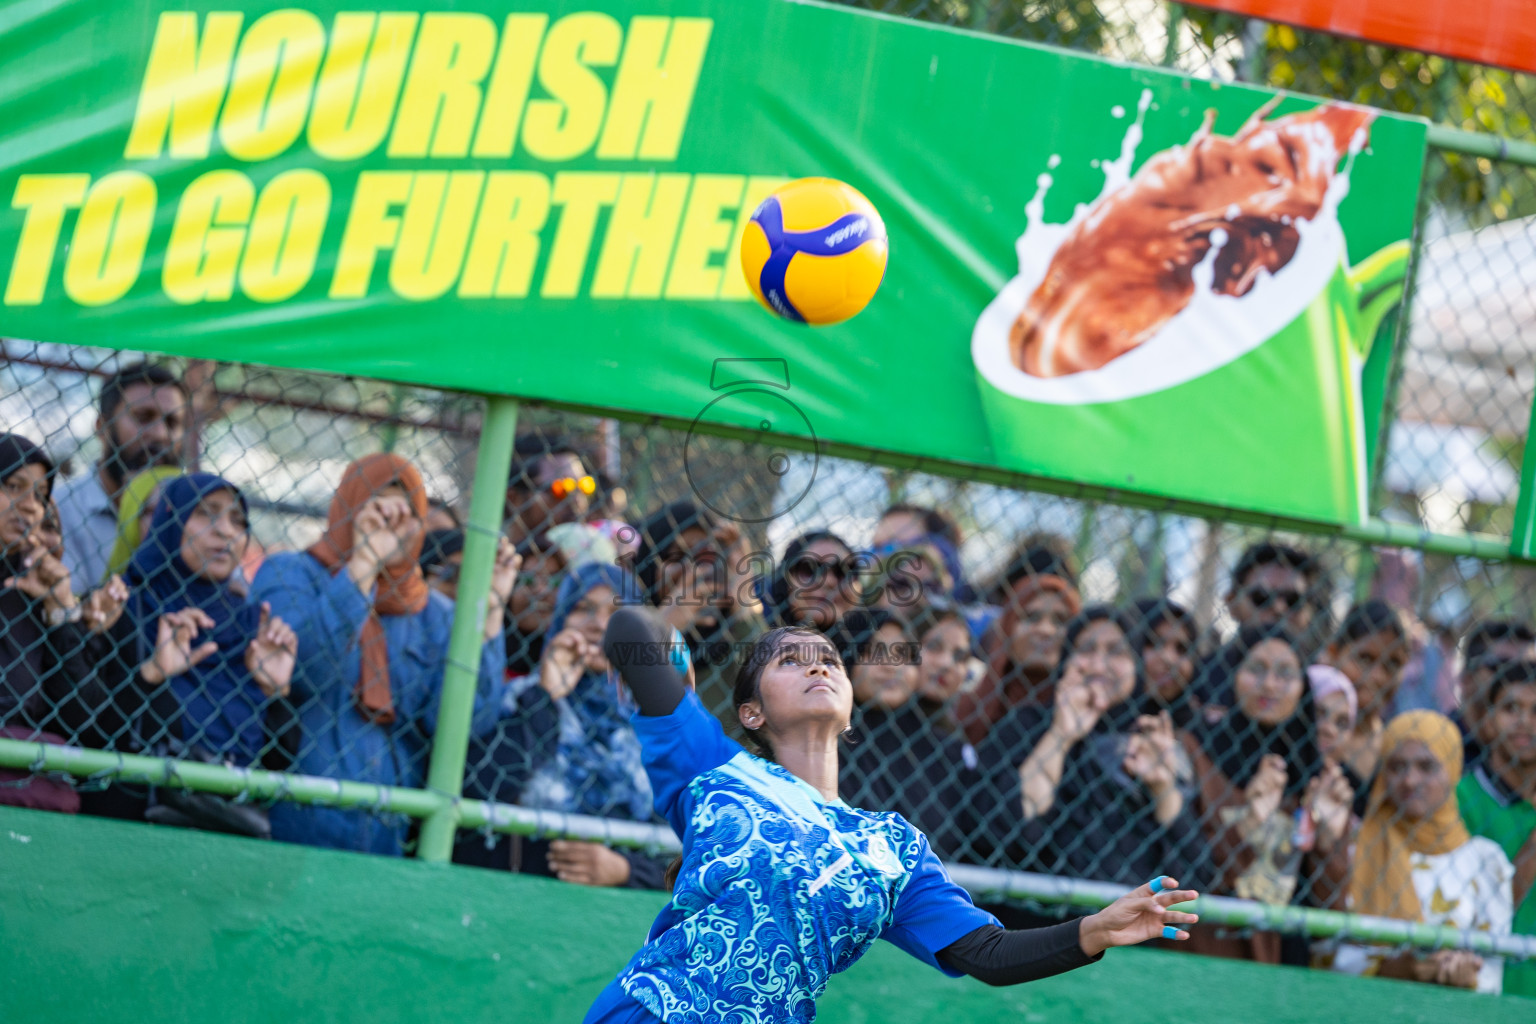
x: 255, y: 784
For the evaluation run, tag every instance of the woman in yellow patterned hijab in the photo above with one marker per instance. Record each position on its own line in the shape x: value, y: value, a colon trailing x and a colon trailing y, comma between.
x: 1382, y: 881
x: 1415, y: 861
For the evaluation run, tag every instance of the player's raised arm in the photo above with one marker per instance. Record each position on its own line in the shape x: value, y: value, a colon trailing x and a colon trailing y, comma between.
x: 638, y: 644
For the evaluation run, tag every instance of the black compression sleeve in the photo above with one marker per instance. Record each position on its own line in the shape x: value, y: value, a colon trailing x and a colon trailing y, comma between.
x: 1000, y: 957
x: 638, y: 643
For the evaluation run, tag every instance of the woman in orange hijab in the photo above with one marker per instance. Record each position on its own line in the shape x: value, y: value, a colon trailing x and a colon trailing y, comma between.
x: 1023, y: 648
x: 373, y: 644
x: 1415, y: 861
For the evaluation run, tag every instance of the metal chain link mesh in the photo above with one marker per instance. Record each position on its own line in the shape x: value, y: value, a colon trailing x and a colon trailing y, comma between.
x: 963, y: 682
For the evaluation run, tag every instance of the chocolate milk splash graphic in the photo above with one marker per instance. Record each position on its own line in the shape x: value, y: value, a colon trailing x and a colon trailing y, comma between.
x: 1217, y: 212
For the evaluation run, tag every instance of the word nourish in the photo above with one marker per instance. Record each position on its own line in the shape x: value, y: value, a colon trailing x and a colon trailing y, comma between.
x: 445, y: 85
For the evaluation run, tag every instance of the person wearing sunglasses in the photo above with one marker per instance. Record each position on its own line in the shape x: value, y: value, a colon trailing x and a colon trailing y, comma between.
x: 818, y: 581
x: 905, y: 526
x: 1271, y: 587
x: 549, y: 484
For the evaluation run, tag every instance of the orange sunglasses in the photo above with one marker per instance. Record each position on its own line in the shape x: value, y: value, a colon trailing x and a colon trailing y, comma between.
x: 570, y: 484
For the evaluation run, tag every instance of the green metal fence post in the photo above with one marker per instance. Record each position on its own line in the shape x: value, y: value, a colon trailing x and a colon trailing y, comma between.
x: 450, y: 744
x: 1522, y: 536
x: 1171, y: 45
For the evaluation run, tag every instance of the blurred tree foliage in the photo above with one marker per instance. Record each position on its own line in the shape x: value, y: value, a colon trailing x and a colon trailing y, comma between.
x: 1076, y: 24
x: 1471, y: 191
x: 1454, y: 93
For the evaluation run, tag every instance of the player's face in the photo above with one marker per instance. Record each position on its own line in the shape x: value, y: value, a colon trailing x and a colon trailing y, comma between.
x: 804, y: 683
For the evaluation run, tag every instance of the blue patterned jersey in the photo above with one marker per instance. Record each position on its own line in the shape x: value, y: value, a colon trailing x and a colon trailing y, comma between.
x: 779, y: 887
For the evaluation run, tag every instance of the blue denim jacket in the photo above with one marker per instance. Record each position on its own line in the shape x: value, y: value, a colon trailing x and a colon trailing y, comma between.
x: 327, y: 612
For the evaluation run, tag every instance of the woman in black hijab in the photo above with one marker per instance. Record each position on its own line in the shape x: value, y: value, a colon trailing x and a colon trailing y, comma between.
x: 50, y: 641
x: 1092, y: 787
x: 906, y: 755
x: 815, y: 584
x: 1277, y: 817
x: 1165, y: 637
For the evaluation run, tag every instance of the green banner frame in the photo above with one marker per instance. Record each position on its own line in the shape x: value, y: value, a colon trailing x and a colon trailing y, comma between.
x: 547, y: 205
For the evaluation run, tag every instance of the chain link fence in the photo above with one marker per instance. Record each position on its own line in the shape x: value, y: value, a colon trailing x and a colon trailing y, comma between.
x: 1043, y: 682
x: 952, y: 602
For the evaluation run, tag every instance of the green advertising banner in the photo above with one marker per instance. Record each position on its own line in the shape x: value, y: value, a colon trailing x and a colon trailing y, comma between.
x: 1102, y: 274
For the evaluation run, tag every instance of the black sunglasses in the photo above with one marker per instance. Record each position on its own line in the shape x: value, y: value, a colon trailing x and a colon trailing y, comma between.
x: 808, y: 569
x: 1263, y: 597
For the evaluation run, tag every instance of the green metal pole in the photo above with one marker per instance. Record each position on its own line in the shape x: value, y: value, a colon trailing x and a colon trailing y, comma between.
x: 1171, y: 45
x: 450, y: 744
x: 1397, y: 535
x: 263, y: 785
x: 1522, y: 540
x: 1082, y: 548
x: 1492, y: 147
x: 981, y: 15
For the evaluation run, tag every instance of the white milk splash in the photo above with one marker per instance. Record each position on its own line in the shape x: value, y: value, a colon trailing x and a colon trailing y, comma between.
x: 1211, y: 331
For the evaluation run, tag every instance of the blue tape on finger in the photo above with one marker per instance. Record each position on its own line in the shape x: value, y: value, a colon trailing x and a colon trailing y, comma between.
x: 1156, y: 884
x: 1170, y: 932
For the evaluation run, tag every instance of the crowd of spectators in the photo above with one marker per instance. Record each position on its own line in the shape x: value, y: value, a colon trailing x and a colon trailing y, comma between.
x: 1286, y: 757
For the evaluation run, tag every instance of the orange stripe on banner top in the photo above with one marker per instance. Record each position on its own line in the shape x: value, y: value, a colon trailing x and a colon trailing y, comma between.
x: 1497, y: 32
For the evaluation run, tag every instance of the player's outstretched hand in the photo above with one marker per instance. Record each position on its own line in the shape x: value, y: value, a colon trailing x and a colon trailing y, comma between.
x: 1138, y: 916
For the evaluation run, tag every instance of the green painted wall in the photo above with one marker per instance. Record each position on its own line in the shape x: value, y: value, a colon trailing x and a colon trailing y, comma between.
x: 111, y: 923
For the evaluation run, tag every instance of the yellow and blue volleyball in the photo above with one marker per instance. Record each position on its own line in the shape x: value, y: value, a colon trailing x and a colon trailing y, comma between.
x: 814, y: 251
